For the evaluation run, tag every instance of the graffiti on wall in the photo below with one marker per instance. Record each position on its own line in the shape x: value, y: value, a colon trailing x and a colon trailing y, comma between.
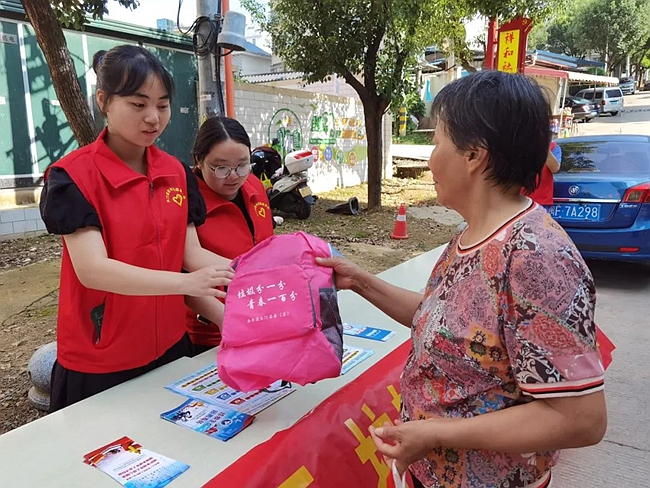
x: 285, y: 132
x: 337, y: 140
x: 332, y: 140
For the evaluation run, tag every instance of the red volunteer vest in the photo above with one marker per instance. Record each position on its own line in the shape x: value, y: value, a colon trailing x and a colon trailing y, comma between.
x: 144, y: 222
x: 543, y: 194
x: 226, y: 232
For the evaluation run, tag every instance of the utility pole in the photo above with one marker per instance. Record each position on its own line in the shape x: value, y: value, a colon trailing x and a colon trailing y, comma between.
x: 208, y: 86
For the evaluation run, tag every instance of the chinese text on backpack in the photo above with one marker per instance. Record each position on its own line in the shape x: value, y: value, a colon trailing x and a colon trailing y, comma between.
x: 281, y: 318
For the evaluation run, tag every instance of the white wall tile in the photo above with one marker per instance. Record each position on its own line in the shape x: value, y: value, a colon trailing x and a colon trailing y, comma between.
x: 15, y: 215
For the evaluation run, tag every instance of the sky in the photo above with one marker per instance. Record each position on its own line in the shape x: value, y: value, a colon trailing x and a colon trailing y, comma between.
x: 151, y: 10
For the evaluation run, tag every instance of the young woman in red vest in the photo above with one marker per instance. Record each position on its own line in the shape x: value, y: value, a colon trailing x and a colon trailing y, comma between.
x: 127, y: 212
x: 543, y: 194
x: 237, y: 208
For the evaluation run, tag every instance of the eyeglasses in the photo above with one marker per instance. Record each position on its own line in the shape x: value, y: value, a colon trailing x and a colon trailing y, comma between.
x: 223, y: 172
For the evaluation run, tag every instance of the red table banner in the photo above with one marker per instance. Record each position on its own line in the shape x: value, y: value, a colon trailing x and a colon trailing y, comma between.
x: 330, y: 446
x: 605, y: 347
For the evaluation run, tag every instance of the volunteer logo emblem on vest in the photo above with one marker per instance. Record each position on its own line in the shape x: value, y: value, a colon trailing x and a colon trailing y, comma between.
x: 261, y: 208
x: 175, y: 195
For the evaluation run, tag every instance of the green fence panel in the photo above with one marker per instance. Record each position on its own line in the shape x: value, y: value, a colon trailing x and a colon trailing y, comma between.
x: 54, y: 137
x: 15, y: 156
x: 179, y: 135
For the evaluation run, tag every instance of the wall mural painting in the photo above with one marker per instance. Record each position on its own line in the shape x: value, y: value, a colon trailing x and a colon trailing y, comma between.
x: 332, y: 140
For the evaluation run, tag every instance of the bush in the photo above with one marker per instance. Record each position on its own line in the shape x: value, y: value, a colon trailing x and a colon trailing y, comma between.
x: 416, y: 138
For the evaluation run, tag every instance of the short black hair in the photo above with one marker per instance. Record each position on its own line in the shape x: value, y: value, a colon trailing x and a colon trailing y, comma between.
x: 506, y: 114
x: 215, y: 130
x: 124, y: 69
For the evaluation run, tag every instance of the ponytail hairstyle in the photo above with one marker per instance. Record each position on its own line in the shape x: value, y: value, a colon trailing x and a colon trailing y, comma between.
x: 124, y: 69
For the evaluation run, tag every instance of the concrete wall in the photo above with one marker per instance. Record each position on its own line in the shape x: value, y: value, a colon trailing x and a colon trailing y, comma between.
x: 21, y: 222
x: 335, y: 86
x: 332, y: 127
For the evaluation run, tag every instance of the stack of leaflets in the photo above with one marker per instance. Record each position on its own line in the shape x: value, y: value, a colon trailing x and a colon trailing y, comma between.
x: 205, y: 385
x: 209, y: 419
x: 134, y: 466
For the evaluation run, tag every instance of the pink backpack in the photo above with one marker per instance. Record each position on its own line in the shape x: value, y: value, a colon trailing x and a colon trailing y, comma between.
x: 281, y: 320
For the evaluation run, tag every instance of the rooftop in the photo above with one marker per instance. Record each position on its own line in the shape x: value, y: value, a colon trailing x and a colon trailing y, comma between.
x: 270, y: 77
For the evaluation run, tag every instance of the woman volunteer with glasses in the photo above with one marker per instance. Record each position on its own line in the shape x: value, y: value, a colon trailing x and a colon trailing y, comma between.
x: 238, y: 212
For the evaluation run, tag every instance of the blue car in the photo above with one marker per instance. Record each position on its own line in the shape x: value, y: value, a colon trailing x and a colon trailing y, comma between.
x: 601, y: 195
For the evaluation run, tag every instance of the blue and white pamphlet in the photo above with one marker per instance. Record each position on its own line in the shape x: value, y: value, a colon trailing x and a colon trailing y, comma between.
x: 205, y: 385
x: 353, y: 356
x: 364, y: 332
x: 207, y: 419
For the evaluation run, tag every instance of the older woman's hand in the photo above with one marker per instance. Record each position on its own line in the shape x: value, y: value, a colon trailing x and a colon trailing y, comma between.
x: 405, y: 442
x: 348, y: 275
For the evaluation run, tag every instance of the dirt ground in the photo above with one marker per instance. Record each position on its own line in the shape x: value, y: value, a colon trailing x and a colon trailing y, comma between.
x: 29, y: 271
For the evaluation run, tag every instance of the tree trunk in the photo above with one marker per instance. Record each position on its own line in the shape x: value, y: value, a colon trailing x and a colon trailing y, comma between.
x: 49, y: 35
x: 373, y: 113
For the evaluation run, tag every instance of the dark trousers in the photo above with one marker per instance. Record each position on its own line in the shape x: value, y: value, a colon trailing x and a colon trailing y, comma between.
x: 70, y: 387
x: 199, y: 349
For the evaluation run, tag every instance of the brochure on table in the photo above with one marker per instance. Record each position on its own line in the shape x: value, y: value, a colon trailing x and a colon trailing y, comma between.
x: 206, y: 385
x: 134, y: 466
x: 353, y: 356
x: 208, y: 419
x: 365, y: 332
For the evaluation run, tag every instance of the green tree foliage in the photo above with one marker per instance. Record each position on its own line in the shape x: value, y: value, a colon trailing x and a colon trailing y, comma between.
x: 73, y: 13
x: 559, y: 33
x: 538, y: 36
x: 504, y: 10
x: 614, y: 28
x: 375, y: 44
x: 564, y: 38
x: 372, y: 44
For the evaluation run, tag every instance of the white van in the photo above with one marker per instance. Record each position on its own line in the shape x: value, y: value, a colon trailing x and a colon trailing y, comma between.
x: 610, y: 99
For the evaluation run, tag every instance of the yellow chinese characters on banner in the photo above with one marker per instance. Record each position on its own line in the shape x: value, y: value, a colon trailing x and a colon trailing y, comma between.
x: 508, y: 54
x: 331, y: 447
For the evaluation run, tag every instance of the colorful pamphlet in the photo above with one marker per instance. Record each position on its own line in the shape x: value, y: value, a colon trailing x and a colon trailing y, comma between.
x: 134, y: 466
x: 206, y: 385
x: 353, y: 356
x: 209, y: 419
x: 368, y: 332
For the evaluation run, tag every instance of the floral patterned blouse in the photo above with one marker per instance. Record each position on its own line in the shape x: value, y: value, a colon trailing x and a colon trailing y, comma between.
x: 501, y: 323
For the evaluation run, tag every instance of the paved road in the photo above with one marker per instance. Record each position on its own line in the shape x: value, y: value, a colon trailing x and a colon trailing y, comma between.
x: 634, y: 119
x: 622, y: 460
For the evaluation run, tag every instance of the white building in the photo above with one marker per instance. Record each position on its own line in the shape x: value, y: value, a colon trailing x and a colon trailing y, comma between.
x: 253, y: 61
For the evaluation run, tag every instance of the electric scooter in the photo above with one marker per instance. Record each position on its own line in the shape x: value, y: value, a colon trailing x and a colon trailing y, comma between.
x: 286, y: 184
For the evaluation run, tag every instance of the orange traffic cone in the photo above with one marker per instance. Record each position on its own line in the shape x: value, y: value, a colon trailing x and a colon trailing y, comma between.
x: 399, y: 232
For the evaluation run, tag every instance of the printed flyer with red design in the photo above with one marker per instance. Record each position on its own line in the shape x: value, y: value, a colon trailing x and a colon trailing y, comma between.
x: 134, y: 466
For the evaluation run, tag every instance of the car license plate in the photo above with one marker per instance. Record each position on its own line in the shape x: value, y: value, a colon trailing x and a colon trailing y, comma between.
x: 575, y: 211
x: 304, y: 191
